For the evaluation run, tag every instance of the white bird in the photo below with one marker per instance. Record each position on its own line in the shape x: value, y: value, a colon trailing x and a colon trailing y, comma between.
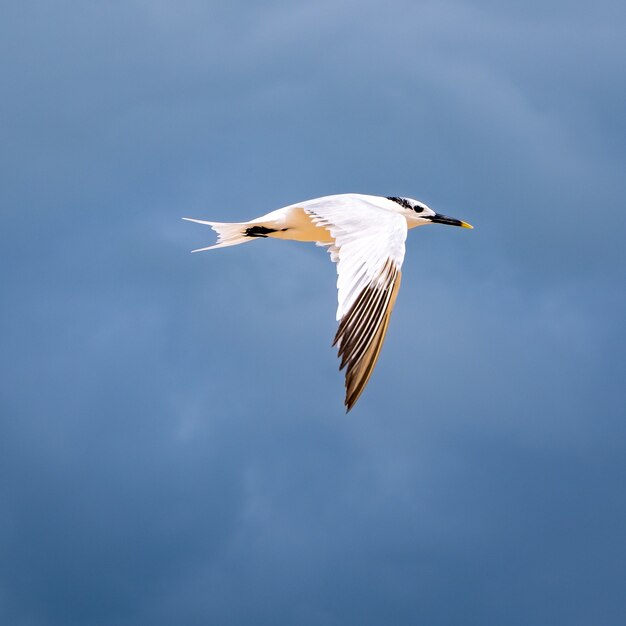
x: 365, y: 236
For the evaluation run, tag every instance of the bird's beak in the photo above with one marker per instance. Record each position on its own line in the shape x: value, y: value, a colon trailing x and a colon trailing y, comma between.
x: 450, y: 221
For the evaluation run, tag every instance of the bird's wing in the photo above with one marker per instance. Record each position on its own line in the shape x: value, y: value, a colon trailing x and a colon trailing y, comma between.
x: 368, y: 250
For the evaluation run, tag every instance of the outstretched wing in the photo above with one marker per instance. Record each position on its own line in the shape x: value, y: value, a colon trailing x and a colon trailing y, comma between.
x: 368, y: 250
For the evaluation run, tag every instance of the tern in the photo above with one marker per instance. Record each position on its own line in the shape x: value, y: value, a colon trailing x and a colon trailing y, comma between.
x: 365, y: 237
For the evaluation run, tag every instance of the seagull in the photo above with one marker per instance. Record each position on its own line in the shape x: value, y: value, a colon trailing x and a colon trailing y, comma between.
x: 365, y: 237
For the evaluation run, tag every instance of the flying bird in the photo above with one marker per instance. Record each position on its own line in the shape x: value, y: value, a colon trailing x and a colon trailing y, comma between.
x: 365, y: 237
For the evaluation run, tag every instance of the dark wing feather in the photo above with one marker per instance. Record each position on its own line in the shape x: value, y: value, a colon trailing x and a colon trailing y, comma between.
x: 362, y: 330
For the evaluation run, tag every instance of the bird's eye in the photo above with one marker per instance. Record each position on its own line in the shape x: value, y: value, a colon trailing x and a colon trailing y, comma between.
x: 418, y: 209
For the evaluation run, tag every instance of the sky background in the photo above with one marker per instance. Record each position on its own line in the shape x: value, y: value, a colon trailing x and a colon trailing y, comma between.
x: 173, y: 445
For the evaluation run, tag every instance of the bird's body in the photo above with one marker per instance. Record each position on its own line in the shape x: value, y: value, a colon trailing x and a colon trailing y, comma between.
x: 365, y: 236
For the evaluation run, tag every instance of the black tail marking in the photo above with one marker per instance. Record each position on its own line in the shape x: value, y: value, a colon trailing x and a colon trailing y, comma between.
x: 260, y: 231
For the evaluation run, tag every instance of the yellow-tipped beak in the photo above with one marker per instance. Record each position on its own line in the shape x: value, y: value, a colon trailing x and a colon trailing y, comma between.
x: 450, y: 221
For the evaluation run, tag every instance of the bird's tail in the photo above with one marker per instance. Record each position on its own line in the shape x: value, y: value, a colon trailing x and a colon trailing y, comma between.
x: 228, y: 234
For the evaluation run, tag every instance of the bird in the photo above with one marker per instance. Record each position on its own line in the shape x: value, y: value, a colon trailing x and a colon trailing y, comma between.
x: 365, y: 236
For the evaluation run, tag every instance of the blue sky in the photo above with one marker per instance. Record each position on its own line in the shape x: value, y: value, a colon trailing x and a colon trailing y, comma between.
x: 173, y: 447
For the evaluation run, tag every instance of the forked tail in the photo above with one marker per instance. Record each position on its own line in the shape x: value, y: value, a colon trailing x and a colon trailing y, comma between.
x: 228, y: 234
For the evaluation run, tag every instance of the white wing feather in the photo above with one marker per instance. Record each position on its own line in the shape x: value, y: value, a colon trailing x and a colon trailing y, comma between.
x: 369, y: 251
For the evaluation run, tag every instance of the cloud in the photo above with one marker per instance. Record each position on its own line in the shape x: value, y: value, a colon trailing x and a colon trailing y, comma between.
x: 173, y: 445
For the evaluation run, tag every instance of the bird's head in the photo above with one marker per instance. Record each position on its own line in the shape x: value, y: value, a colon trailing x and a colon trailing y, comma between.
x: 417, y: 213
